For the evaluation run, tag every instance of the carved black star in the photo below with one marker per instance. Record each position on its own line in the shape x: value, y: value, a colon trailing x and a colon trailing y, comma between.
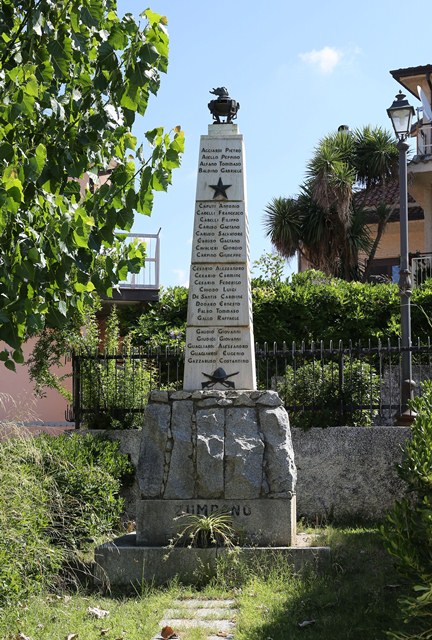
x: 220, y: 189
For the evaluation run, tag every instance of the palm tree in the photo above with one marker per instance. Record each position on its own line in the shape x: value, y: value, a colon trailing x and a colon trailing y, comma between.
x: 301, y: 225
x: 323, y: 223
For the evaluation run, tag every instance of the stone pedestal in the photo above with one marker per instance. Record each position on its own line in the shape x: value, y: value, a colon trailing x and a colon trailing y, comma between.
x: 207, y: 451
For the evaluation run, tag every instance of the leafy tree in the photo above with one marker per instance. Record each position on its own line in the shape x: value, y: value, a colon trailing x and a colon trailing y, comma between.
x: 74, y: 75
x: 271, y: 267
x: 302, y: 225
x: 325, y: 223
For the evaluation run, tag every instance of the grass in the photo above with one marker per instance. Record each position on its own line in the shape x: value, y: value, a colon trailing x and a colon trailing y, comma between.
x: 356, y: 600
x: 57, y: 617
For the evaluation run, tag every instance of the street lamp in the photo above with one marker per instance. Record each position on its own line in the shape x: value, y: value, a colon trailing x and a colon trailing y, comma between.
x: 401, y: 113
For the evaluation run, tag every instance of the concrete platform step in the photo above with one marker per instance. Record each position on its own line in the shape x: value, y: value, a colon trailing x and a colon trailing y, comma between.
x: 217, y: 616
x: 197, y: 603
x: 123, y: 563
x: 178, y: 624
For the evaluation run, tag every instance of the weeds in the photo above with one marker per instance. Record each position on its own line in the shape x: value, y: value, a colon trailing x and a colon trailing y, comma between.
x: 57, y: 495
x: 199, y: 531
x: 357, y: 600
x: 59, y: 617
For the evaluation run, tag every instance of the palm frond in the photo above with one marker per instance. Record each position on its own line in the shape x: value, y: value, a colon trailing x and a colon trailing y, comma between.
x: 376, y: 157
x: 282, y: 224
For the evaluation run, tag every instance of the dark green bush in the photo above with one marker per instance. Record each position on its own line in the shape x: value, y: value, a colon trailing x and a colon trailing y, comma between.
x: 314, y: 390
x: 164, y: 324
x: 407, y: 532
x: 312, y: 306
x: 88, y: 473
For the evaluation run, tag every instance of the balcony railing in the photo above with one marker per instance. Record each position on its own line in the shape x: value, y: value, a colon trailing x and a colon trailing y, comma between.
x: 421, y: 268
x: 424, y: 139
x: 148, y: 276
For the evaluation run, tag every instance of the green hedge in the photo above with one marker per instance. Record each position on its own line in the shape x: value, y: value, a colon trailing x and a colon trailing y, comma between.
x: 312, y: 306
x: 316, y: 307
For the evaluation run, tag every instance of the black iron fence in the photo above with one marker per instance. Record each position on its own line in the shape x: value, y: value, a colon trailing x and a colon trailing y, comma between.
x: 321, y: 385
x: 110, y: 390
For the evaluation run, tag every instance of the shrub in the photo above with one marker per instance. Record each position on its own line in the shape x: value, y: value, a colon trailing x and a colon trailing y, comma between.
x: 57, y: 495
x: 407, y: 532
x: 164, y: 324
x: 203, y: 532
x: 113, y: 389
x: 88, y: 473
x: 312, y: 306
x: 316, y: 307
x: 313, y: 389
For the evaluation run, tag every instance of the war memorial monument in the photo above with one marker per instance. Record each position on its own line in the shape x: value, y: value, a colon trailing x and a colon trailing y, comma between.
x: 219, y: 445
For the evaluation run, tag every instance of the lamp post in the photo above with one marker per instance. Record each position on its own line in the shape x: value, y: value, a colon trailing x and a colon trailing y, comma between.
x: 401, y: 113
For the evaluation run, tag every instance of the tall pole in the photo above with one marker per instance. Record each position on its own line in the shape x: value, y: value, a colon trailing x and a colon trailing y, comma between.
x: 407, y: 384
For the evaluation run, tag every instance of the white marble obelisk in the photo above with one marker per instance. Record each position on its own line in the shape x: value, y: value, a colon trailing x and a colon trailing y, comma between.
x: 219, y: 337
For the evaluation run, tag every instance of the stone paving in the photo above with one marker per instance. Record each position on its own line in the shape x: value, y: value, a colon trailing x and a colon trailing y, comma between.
x: 216, y: 616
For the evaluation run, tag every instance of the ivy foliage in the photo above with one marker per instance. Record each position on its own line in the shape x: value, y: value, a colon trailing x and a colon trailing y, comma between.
x: 73, y: 77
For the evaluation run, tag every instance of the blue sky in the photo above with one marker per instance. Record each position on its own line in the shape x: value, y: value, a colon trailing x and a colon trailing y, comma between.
x: 299, y: 70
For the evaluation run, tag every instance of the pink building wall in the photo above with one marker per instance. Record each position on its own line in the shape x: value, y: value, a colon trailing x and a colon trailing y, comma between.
x: 18, y: 401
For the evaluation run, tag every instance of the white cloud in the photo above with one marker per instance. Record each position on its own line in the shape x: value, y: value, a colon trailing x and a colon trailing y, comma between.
x: 326, y: 59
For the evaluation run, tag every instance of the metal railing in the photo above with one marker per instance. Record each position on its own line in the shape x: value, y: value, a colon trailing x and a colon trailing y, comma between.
x: 112, y: 388
x: 148, y: 276
x: 424, y: 139
x: 320, y: 385
x: 421, y: 268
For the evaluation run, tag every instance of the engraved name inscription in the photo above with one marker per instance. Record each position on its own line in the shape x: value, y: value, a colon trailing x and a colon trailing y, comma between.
x: 204, y: 509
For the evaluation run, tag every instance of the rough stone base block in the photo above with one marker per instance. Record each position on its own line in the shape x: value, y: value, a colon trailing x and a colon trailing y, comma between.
x: 264, y: 522
x: 122, y: 563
